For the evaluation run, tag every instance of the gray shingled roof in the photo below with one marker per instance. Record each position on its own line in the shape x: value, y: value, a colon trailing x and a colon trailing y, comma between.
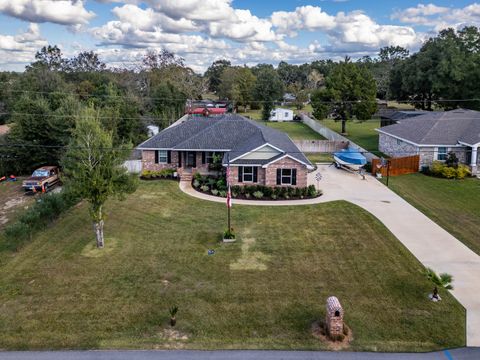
x: 230, y: 132
x: 439, y: 128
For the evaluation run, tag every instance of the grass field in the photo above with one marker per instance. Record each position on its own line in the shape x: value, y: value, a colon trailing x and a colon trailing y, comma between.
x: 319, y: 157
x: 361, y: 133
x: 453, y: 204
x: 262, y: 292
x: 296, y: 130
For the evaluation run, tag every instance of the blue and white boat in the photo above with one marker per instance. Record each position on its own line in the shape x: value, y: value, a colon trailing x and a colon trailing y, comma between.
x: 350, y: 158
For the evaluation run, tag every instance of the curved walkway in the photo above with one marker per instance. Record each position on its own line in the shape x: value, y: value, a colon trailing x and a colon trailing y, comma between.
x: 432, y: 245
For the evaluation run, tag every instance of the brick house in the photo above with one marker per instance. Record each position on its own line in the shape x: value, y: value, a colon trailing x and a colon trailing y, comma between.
x: 434, y: 135
x: 256, y: 153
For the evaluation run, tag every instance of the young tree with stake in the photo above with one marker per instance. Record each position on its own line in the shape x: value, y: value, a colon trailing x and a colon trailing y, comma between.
x: 93, y: 167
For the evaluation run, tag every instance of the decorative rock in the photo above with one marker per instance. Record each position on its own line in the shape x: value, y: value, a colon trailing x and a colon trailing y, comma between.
x: 334, y: 318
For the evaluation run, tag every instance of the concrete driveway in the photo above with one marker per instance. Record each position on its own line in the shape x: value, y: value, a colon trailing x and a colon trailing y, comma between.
x: 426, y: 240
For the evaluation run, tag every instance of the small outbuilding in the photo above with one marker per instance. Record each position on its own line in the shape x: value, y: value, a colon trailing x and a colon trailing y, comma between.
x: 280, y: 114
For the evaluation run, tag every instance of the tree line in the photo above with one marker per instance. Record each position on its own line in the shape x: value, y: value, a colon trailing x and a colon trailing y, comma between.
x: 43, y: 103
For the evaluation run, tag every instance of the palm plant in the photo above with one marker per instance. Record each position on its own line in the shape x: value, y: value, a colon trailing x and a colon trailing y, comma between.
x: 173, y: 311
x: 443, y: 280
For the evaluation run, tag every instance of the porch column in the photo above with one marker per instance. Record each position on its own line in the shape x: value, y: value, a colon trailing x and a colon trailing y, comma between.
x: 473, y: 162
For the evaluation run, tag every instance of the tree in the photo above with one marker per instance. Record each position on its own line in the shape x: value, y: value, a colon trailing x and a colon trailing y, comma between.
x: 350, y: 91
x: 268, y: 88
x: 214, y: 74
x: 86, y: 61
x: 443, y: 280
x: 154, y: 60
x: 94, y: 168
x: 445, y: 69
x: 237, y: 83
x: 38, y: 133
x: 51, y: 57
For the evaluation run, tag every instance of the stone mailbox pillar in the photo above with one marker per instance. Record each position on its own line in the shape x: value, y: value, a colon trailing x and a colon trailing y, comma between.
x: 334, y: 318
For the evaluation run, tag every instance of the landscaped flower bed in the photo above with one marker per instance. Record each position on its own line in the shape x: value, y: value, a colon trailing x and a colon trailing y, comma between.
x: 217, y: 186
x: 160, y: 174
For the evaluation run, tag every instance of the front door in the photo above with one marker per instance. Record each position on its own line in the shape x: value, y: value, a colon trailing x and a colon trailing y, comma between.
x: 191, y: 159
x: 468, y: 158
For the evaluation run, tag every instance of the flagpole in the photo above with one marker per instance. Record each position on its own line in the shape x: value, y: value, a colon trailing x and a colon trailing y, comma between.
x: 229, y: 193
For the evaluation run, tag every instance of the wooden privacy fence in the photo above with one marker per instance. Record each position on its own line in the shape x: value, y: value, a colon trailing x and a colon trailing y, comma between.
x: 397, y: 166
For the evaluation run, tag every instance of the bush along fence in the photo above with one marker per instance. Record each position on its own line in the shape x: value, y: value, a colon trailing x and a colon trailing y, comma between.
x: 45, y: 210
x: 217, y: 186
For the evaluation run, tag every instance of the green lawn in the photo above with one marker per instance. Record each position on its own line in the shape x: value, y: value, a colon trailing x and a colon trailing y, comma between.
x: 453, y: 204
x: 362, y: 133
x: 296, y: 130
x: 262, y: 292
x: 319, y: 157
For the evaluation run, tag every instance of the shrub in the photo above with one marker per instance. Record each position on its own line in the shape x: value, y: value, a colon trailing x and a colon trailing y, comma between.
x: 196, y: 183
x: 229, y: 234
x: 448, y: 172
x: 204, y: 188
x: 442, y: 170
x: 463, y: 171
x: 312, y: 191
x: 214, y: 192
x: 247, y: 195
x: 47, y: 208
x: 258, y: 194
x: 222, y: 193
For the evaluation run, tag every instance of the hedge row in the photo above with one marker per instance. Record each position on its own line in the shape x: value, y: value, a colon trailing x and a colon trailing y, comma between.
x: 44, y: 211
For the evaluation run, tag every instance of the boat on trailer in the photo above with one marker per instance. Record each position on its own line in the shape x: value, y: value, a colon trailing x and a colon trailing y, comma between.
x: 351, y: 159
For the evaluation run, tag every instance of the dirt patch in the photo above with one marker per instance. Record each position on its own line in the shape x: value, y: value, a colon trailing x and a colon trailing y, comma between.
x: 173, y: 339
x: 91, y: 250
x: 318, y: 330
x: 250, y: 260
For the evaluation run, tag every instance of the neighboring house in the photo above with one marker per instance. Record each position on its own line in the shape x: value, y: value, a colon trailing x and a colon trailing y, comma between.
x: 433, y: 135
x: 280, y: 114
x: 391, y: 116
x: 256, y: 154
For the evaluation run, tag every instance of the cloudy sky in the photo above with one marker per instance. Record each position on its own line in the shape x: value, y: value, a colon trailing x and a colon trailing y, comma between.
x: 243, y: 31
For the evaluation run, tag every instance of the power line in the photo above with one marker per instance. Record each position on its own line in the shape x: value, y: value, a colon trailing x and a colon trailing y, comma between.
x: 232, y: 100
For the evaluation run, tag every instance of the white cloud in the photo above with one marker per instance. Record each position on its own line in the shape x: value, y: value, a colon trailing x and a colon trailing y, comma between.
x: 438, y: 18
x: 305, y: 17
x: 21, y: 48
x: 65, y: 12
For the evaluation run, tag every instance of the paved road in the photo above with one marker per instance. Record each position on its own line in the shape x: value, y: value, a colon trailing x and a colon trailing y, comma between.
x: 458, y: 354
x: 428, y: 242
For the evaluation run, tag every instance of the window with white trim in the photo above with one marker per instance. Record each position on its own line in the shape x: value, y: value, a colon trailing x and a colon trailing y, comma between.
x: 162, y: 156
x: 442, y: 153
x: 286, y: 114
x: 248, y: 174
x: 286, y: 176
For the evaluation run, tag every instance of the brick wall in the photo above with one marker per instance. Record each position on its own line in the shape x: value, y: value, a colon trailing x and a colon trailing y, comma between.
x: 234, y: 176
x: 286, y: 163
x: 394, y: 147
x: 148, y: 161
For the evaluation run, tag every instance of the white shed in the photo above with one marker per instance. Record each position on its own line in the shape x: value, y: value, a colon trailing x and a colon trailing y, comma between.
x: 280, y: 114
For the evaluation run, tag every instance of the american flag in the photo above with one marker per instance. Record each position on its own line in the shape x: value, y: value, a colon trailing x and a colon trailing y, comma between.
x: 229, y: 198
